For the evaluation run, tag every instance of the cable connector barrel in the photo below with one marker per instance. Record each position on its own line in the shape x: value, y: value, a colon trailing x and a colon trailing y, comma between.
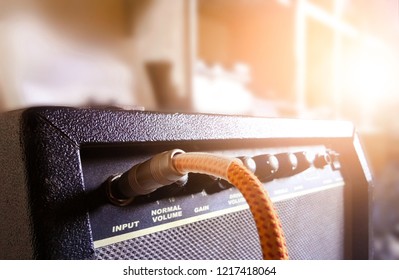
x: 148, y: 176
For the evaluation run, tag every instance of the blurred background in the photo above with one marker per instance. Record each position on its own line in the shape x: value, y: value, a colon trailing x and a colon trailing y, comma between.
x: 317, y: 59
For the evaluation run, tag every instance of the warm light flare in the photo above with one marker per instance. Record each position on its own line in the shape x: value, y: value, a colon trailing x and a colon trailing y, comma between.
x: 371, y: 75
x: 367, y: 82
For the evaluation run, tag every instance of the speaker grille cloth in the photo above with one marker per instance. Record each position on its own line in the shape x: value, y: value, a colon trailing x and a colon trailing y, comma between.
x: 313, y: 225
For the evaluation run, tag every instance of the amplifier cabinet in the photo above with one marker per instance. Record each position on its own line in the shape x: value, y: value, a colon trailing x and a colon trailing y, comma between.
x: 55, y: 160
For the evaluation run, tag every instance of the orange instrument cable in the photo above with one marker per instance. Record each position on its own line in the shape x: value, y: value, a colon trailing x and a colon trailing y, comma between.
x: 267, y: 222
x: 169, y: 167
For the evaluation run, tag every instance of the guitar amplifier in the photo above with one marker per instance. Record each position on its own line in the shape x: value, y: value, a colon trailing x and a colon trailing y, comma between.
x: 55, y: 163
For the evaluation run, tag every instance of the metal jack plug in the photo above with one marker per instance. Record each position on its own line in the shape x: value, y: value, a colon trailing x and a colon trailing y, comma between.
x: 144, y: 178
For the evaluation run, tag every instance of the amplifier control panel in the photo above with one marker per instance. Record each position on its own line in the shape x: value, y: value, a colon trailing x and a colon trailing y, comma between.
x: 285, y: 173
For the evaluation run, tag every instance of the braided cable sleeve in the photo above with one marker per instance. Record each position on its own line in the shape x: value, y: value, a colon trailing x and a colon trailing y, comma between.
x: 267, y: 222
x: 270, y: 232
x: 203, y: 163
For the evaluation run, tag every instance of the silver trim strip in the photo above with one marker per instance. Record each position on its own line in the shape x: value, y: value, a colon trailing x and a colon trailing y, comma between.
x: 135, y: 234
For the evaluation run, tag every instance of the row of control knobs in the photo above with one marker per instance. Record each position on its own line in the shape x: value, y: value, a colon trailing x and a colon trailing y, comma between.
x: 268, y: 167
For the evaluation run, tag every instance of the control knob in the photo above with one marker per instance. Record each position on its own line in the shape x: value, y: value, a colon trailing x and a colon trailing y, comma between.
x: 266, y: 167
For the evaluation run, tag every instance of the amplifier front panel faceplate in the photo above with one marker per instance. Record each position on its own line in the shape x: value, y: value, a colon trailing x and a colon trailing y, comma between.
x: 157, y: 214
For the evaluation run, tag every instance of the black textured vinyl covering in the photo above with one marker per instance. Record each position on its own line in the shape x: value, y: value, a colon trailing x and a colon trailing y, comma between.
x: 313, y: 225
x: 16, y: 234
